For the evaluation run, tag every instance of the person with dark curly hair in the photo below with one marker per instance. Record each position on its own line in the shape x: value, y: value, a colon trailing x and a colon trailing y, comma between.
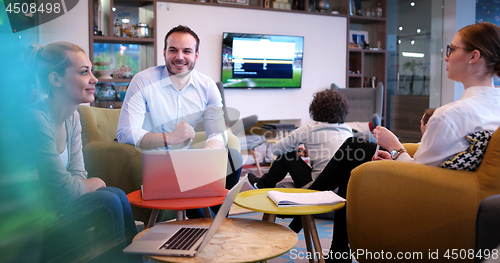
x: 329, y: 109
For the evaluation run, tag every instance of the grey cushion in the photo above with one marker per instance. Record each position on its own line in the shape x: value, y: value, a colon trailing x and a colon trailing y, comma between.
x: 251, y: 141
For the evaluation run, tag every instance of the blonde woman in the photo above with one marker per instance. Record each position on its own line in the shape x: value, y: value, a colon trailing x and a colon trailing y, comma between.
x: 72, y: 202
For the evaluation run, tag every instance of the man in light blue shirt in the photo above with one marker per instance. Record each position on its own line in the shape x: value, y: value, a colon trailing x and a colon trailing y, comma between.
x: 163, y: 104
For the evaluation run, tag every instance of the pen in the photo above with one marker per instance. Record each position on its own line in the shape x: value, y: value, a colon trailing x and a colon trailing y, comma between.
x: 376, y: 151
x: 189, y: 143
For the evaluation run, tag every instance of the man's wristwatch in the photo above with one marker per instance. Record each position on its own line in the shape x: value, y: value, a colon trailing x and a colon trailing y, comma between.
x: 396, y: 153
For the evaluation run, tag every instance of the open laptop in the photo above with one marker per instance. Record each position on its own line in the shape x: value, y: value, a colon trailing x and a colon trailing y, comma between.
x: 184, y: 173
x: 182, y: 240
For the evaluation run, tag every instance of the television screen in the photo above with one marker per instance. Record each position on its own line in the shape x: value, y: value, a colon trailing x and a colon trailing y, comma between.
x: 261, y: 61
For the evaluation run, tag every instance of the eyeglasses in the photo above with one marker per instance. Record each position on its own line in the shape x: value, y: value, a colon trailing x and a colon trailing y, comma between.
x: 450, y: 49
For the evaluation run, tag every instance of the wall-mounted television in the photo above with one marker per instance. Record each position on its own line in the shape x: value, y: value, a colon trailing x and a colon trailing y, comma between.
x: 261, y: 60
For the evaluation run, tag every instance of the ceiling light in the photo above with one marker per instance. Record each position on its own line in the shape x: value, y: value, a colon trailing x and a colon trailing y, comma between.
x: 412, y: 54
x: 412, y: 42
x: 125, y: 20
x: 412, y: 3
x: 399, y: 41
x: 114, y: 9
x: 418, y: 30
x: 400, y: 28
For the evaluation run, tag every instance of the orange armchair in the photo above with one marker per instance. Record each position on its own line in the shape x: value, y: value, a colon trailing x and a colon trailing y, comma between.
x: 407, y: 207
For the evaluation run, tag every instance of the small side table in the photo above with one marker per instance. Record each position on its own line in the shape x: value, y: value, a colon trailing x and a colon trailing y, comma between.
x: 179, y: 205
x: 257, y: 200
x: 238, y: 240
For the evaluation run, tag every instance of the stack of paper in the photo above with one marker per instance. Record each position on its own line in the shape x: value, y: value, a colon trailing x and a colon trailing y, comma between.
x: 304, y: 199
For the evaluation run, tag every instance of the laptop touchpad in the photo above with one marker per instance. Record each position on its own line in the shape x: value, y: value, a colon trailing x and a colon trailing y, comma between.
x: 155, y: 236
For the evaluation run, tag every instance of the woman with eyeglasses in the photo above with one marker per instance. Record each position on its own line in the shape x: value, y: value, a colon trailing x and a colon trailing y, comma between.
x: 473, y: 58
x: 83, y: 221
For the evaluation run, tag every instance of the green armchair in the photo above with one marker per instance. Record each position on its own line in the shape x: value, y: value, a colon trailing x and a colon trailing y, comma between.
x: 118, y: 164
x: 407, y: 207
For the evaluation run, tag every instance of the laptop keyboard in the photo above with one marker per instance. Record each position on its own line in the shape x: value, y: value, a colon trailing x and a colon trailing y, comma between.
x: 184, y: 239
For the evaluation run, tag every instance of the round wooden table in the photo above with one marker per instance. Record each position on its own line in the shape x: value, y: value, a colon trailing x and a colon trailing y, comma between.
x: 257, y: 200
x: 179, y: 205
x: 238, y: 240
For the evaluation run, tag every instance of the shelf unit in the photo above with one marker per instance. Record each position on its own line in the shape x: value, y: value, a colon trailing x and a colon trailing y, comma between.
x: 366, y: 63
x: 146, y: 13
x: 363, y: 64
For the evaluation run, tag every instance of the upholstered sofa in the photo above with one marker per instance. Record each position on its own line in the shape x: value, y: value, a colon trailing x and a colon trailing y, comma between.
x: 406, y: 207
x: 118, y: 164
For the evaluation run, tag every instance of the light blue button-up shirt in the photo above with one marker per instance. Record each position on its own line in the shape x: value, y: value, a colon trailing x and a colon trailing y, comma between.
x: 153, y: 104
